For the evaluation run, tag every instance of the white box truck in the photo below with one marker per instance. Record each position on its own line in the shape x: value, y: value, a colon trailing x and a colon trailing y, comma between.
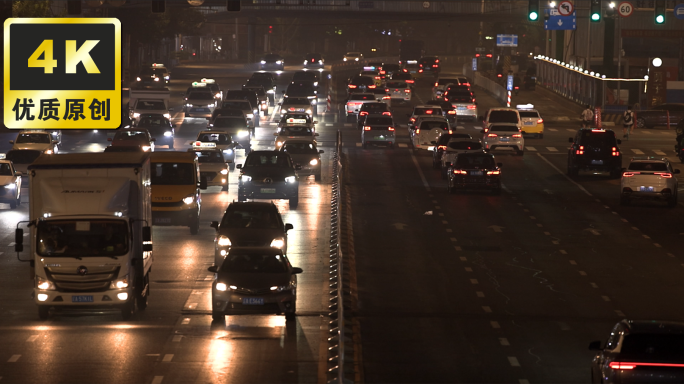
x: 90, y: 238
x: 149, y: 101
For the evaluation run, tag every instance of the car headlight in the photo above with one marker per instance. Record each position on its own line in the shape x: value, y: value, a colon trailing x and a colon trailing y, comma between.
x: 11, y: 186
x: 156, y: 79
x: 119, y: 283
x: 263, y: 61
x: 221, y: 287
x: 243, y: 133
x: 44, y: 284
x: 278, y: 62
x: 49, y: 151
x: 279, y: 143
x: 167, y: 115
x: 189, y: 199
x: 290, y: 179
x: 250, y: 115
x: 168, y: 134
x: 228, y: 151
x: 305, y: 62
x: 224, y: 241
x: 166, y: 77
x: 278, y: 243
x: 356, y: 59
x: 308, y: 111
x: 136, y: 115
x: 146, y: 148
x: 55, y: 133
x: 320, y: 61
x: 137, y: 79
x: 313, y: 162
x: 212, y: 105
x: 246, y: 178
x: 217, y: 95
x: 280, y: 288
x: 224, y: 171
x: 188, y: 105
x: 271, y: 91
x: 345, y: 59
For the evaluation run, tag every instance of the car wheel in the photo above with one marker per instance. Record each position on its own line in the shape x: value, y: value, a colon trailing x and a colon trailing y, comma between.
x: 624, y: 200
x: 317, y: 177
x: 194, y: 226
x: 672, y: 201
x: 641, y: 123
x: 218, y: 317
x: 43, y: 312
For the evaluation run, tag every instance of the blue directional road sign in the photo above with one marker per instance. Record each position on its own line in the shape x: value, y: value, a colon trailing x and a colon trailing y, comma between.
x: 509, y: 83
x: 474, y: 63
x: 679, y: 11
x: 506, y: 40
x: 555, y: 22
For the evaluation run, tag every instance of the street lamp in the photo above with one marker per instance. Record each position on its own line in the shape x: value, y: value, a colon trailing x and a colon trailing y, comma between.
x: 657, y: 62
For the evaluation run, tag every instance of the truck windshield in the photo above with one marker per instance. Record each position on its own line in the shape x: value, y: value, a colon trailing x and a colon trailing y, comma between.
x: 82, y: 238
x: 150, y: 105
x: 173, y: 174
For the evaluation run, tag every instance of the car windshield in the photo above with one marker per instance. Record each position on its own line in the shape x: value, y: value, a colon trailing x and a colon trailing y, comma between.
x: 42, y: 138
x: 295, y: 101
x: 262, y: 75
x: 218, y: 138
x: 272, y: 57
x: 201, y: 96
x: 654, y: 346
x: 22, y: 156
x: 229, y: 112
x: 297, y: 131
x: 464, y: 145
x: 153, y: 122
x: 379, y: 121
x: 374, y: 107
x: 210, y: 157
x: 150, y: 105
x: 475, y: 161
x: 253, y: 217
x: 300, y: 89
x: 428, y: 111
x: 130, y: 136
x: 362, y: 96
x: 529, y: 114
x: 230, y: 123
x: 310, y: 76
x: 503, y: 117
x: 254, y: 263
x: 299, y: 148
x: 262, y: 159
x: 598, y: 139
x: 504, y: 128
x: 173, y: 174
x: 362, y: 80
x: 5, y: 170
x: 648, y: 166
x: 458, y: 96
x: 428, y: 125
x: 258, y: 90
x: 241, y: 105
x: 82, y: 238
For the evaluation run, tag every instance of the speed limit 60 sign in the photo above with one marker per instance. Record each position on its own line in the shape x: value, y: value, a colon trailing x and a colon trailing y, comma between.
x: 62, y: 73
x: 625, y: 8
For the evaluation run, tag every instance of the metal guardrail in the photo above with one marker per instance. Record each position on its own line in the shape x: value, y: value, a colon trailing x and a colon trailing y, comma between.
x: 337, y: 327
x: 495, y: 89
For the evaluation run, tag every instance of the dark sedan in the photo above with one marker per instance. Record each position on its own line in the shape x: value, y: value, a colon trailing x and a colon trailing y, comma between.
x: 269, y: 175
x: 314, y: 60
x: 254, y: 281
x: 474, y: 171
x: 660, y: 115
x: 272, y: 62
x: 249, y: 224
x: 160, y: 128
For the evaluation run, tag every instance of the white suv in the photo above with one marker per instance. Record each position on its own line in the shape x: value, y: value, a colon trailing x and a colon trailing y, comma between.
x: 504, y: 135
x: 649, y: 178
x: 500, y: 115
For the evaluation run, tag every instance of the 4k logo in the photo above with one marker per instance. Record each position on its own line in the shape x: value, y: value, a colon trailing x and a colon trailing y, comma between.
x: 62, y: 73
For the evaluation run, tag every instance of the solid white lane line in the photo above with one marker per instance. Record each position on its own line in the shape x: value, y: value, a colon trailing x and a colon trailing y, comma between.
x: 168, y: 357
x: 566, y: 176
x: 661, y: 153
x: 32, y: 339
x: 13, y: 359
x: 495, y: 324
x: 420, y: 172
x: 504, y: 341
x: 513, y: 361
x: 157, y: 379
x: 638, y: 151
x: 552, y: 149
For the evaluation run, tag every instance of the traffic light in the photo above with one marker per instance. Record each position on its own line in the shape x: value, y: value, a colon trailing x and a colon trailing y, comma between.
x: 595, y: 11
x: 158, y: 6
x: 233, y: 5
x: 533, y: 10
x: 659, y: 11
x: 270, y: 29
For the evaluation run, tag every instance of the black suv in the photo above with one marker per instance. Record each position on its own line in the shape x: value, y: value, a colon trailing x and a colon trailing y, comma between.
x: 371, y: 109
x: 595, y: 150
x: 269, y: 175
x: 160, y: 128
x: 474, y: 171
x: 249, y: 224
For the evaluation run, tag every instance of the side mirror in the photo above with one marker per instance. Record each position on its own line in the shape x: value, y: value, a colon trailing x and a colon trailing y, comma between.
x: 214, y: 224
x: 213, y: 268
x: 316, y: 134
x: 595, y: 346
x: 321, y: 151
x: 570, y: 140
x: 239, y: 166
x: 619, y: 141
x: 499, y: 165
x: 676, y: 171
x: 11, y: 141
x: 288, y: 226
x: 296, y: 270
x: 170, y: 109
x: 298, y: 167
x: 203, y: 183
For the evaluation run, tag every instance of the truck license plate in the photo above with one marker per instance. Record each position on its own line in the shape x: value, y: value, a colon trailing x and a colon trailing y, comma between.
x: 82, y: 299
x: 268, y: 190
x: 253, y: 301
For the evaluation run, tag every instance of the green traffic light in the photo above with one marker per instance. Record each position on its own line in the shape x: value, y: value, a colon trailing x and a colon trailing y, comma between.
x: 660, y: 19
x: 595, y: 17
x: 534, y: 16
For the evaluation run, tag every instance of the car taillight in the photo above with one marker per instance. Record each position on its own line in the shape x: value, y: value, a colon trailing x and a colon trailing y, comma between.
x: 386, y: 89
x: 386, y: 97
x: 413, y: 119
x: 390, y: 129
x: 377, y: 77
x: 417, y: 131
x: 499, y: 75
x: 665, y: 175
x: 540, y: 120
x: 428, y: 112
x: 405, y: 70
x: 472, y: 106
x: 371, y: 86
x: 492, y: 135
x: 630, y: 174
x: 435, y: 66
x: 420, y: 71
x: 516, y: 87
x: 451, y: 112
x: 436, y: 84
x: 451, y: 131
x: 382, y: 72
x: 352, y: 86
x: 460, y: 172
x: 493, y: 172
x: 366, y: 128
x: 580, y: 151
x: 407, y: 90
x: 363, y: 113
x: 387, y: 113
x: 631, y: 365
x: 410, y: 81
x: 437, y: 61
x: 442, y: 147
x: 517, y: 135
x: 619, y: 365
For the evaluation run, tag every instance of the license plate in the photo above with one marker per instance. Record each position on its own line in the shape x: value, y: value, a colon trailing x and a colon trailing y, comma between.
x: 81, y: 299
x: 162, y: 220
x: 200, y: 109
x: 645, y: 189
x: 379, y: 137
x: 597, y: 162
x: 461, y: 108
x: 253, y: 301
x: 268, y: 190
x: 476, y: 173
x: 504, y: 139
x: 529, y: 123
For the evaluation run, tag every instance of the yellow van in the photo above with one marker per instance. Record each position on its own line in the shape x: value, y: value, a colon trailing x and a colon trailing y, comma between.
x: 176, y: 184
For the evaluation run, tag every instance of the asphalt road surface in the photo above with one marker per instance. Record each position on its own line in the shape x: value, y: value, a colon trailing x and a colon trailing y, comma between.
x: 451, y: 288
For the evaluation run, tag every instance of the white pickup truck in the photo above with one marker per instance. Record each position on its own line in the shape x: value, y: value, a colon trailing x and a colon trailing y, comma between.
x: 147, y: 101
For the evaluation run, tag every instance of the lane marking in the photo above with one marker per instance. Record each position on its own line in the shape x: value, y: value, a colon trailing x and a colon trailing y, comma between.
x: 555, y: 242
x: 533, y: 218
x: 449, y: 230
x: 13, y: 359
x: 513, y: 361
x: 552, y: 149
x: 547, y: 233
x: 473, y: 281
x: 566, y: 176
x: 593, y: 285
x: 157, y: 379
x: 573, y: 262
x: 539, y: 225
x: 646, y: 237
x: 329, y: 124
x: 420, y: 172
x: 495, y: 324
x: 531, y: 149
x: 468, y: 269
x: 168, y: 357
x: 192, y: 305
x: 348, y: 125
x: 358, y: 144
x: 582, y: 273
x: 657, y: 245
x: 504, y: 341
x: 453, y: 239
x: 487, y: 309
x: 619, y: 312
x: 569, y: 130
x: 177, y: 338
x: 563, y: 326
x: 658, y: 152
x: 445, y: 222
x: 463, y: 258
x: 32, y: 339
x: 552, y: 129
x: 564, y: 252
x: 185, y: 321
x: 402, y: 145
x: 637, y: 151
x: 635, y: 228
x: 479, y: 294
x: 605, y: 298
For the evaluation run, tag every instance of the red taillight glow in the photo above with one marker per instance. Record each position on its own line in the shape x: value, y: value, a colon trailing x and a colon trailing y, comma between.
x: 377, y: 77
x: 407, y: 90
x: 517, y: 135
x: 451, y: 131
x: 499, y: 75
x: 366, y: 128
x: 451, y: 112
x: 516, y: 87
x: 618, y: 365
x: 580, y: 151
x: 405, y: 70
x: 413, y: 119
x: 382, y: 72
x: 472, y: 107
x: 540, y: 120
x: 428, y: 112
x: 460, y: 172
x: 386, y: 89
x: 417, y: 131
x: 436, y: 84
x: 630, y: 174
x: 352, y: 86
x: 420, y: 71
x: 363, y: 113
x: 631, y: 365
x: 387, y: 113
x: 615, y: 152
x: 437, y: 61
x: 371, y: 86
x: 390, y: 129
x: 493, y: 172
x: 492, y: 135
x: 665, y: 175
x: 442, y: 147
x: 386, y: 97
x: 410, y: 81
